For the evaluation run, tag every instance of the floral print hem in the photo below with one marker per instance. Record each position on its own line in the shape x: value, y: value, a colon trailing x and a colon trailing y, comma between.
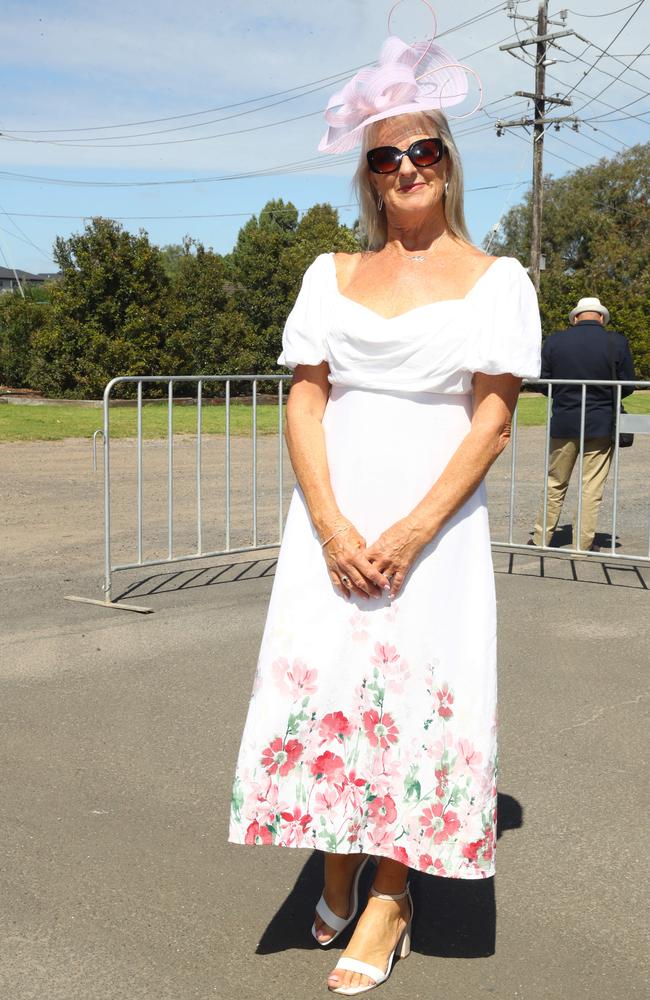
x: 349, y: 780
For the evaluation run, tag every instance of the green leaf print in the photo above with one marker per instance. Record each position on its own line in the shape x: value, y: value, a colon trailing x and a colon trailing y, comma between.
x: 237, y: 799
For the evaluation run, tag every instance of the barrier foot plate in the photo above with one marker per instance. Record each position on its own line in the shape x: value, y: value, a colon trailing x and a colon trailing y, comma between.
x: 111, y: 604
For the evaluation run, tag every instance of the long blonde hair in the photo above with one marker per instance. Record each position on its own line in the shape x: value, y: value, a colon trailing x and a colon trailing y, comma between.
x: 373, y: 222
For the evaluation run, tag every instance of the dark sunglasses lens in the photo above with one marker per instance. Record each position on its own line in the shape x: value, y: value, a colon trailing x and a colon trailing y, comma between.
x: 427, y: 152
x: 383, y: 160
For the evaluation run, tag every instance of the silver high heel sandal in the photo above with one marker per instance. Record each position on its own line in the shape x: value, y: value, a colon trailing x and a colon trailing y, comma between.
x: 338, y: 924
x: 402, y: 949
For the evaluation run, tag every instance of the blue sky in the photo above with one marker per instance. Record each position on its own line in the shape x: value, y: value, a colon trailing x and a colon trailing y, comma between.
x: 76, y: 75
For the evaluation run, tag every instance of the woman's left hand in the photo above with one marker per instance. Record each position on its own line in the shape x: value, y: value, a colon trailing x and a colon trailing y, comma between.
x: 395, y: 551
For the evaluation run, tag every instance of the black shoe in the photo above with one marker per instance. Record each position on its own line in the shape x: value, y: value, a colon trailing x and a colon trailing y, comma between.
x: 593, y: 547
x: 531, y: 542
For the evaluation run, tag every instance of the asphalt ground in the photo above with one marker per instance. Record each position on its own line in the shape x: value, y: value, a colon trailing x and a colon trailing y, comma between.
x: 119, y: 735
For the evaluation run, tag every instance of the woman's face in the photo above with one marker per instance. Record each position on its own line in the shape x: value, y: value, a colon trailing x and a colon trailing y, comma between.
x: 410, y: 189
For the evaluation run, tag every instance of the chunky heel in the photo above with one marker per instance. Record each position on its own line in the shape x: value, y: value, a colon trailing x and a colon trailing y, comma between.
x: 404, y: 946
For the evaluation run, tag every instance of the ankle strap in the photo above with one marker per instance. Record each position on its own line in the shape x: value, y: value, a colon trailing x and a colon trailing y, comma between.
x: 387, y: 895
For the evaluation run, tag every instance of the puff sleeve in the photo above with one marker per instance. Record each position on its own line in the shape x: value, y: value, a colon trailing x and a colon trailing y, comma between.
x: 508, y: 333
x: 303, y: 339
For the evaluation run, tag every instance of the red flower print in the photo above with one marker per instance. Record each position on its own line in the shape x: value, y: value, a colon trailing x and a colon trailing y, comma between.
x: 328, y: 766
x: 334, y: 726
x: 381, y: 732
x: 471, y: 851
x: 425, y: 862
x: 295, y: 827
x: 382, y: 810
x: 445, y: 700
x: 451, y: 825
x: 439, y: 867
x: 257, y: 834
x: 354, y: 830
x: 442, y: 777
x: 279, y: 757
x: 399, y: 853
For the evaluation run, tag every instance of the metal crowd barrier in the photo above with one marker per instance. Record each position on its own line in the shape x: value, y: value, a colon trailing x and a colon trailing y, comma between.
x: 170, y: 381
x: 624, y: 422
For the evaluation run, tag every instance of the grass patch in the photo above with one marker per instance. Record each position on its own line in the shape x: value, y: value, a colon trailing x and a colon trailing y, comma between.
x: 55, y: 423
x: 532, y: 409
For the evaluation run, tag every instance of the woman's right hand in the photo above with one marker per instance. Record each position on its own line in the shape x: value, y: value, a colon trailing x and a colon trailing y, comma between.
x: 349, y: 570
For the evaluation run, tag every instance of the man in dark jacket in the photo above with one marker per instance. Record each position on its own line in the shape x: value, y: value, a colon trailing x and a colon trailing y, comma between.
x: 585, y: 350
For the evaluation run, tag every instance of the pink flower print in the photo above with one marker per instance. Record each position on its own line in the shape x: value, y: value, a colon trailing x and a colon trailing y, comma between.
x: 381, y: 838
x: 268, y: 805
x: 468, y: 759
x: 381, y: 732
x: 429, y: 819
x: 295, y: 827
x: 354, y: 830
x: 281, y: 758
x: 352, y: 792
x: 382, y: 810
x: 327, y: 798
x: 399, y: 853
x: 386, y: 656
x: 445, y: 701
x: 397, y: 681
x: 329, y: 766
x: 334, y: 726
x: 295, y: 679
x: 358, y: 623
x: 385, y: 773
x: 425, y: 861
x: 257, y: 834
x: 451, y: 825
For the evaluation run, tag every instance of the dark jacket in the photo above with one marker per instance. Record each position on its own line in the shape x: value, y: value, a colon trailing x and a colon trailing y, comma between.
x: 583, y: 351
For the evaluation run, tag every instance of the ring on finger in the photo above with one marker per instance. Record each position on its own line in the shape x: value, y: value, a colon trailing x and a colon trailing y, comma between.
x: 346, y: 581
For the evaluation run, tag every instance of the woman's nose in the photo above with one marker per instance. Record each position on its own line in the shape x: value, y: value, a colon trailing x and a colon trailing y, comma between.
x: 406, y: 168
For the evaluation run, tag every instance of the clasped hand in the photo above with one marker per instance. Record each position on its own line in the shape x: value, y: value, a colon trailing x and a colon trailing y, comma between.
x: 370, y: 571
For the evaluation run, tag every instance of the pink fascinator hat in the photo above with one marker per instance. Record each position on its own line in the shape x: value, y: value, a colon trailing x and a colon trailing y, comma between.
x: 421, y: 76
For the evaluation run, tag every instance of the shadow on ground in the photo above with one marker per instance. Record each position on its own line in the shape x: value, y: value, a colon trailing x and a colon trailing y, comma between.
x: 454, y: 918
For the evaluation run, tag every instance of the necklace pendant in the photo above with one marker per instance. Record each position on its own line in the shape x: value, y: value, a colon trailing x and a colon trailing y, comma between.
x: 418, y: 259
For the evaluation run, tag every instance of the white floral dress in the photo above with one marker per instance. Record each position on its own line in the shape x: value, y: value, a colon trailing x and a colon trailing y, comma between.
x: 372, y: 724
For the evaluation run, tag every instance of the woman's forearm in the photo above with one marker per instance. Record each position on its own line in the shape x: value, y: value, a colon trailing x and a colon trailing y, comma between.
x: 306, y: 443
x: 461, y: 477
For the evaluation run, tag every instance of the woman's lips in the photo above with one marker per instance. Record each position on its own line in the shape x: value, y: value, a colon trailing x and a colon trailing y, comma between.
x: 411, y: 187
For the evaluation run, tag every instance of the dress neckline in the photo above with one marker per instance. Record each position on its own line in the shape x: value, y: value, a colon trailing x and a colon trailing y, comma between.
x: 407, y: 312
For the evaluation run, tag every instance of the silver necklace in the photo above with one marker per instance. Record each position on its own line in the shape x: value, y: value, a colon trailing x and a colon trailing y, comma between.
x: 418, y: 258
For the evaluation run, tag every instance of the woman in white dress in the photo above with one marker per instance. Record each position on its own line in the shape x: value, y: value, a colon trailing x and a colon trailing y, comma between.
x: 372, y: 729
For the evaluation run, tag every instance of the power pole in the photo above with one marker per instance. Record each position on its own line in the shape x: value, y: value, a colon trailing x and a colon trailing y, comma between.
x: 539, y: 121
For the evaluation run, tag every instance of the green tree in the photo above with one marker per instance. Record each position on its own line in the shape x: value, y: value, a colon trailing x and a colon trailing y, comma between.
x: 596, y: 233
x: 199, y: 300
x: 20, y: 319
x: 107, y: 314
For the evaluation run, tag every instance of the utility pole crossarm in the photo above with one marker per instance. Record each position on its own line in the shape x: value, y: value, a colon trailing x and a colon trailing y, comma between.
x: 535, y: 41
x: 541, y: 97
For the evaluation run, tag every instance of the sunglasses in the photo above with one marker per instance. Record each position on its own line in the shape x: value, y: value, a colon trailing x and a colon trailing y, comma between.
x: 423, y: 153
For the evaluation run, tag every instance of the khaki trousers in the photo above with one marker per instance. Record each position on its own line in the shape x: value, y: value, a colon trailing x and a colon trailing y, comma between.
x: 563, y: 456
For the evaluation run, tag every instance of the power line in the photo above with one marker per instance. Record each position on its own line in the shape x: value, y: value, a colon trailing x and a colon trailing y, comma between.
x: 325, y: 81
x: 609, y: 13
x: 605, y: 51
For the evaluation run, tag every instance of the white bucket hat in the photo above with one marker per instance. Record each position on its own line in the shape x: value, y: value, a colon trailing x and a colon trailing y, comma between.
x: 589, y: 305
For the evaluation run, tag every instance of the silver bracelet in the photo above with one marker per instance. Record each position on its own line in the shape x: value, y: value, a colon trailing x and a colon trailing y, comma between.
x: 339, y: 532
